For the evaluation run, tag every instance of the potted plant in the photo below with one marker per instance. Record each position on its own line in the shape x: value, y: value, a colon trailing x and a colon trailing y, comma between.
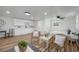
x: 22, y: 45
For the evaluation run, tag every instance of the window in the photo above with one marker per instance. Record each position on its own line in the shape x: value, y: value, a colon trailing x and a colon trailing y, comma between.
x: 77, y: 22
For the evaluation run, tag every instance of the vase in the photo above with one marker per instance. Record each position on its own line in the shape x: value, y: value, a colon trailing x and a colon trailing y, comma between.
x: 22, y: 49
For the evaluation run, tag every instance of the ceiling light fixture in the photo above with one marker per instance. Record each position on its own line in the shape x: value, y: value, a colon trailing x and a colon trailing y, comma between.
x: 27, y: 13
x: 45, y: 13
x: 7, y: 12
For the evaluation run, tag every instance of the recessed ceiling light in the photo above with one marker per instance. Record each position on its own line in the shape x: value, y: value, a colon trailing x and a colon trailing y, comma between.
x: 27, y: 13
x: 45, y: 13
x: 7, y: 12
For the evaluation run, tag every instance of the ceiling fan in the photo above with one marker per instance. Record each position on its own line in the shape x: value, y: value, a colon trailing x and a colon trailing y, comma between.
x: 60, y: 17
x: 66, y: 15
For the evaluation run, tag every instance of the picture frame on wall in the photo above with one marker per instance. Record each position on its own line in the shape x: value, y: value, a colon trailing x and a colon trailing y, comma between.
x: 2, y: 22
x: 56, y: 24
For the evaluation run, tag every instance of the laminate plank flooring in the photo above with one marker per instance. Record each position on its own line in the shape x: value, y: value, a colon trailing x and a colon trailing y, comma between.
x: 10, y: 42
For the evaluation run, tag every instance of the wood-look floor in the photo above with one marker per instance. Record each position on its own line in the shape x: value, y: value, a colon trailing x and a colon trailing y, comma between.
x: 10, y: 42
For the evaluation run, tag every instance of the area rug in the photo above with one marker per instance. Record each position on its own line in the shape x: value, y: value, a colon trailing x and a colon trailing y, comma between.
x: 30, y: 45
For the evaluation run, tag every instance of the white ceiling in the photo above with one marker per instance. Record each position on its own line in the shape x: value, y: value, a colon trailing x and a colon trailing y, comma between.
x: 37, y: 12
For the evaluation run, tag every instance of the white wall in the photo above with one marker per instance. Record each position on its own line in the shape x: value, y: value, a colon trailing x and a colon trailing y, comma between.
x: 77, y: 22
x: 12, y: 22
x: 22, y: 30
x: 42, y: 25
x: 67, y: 23
x: 8, y: 24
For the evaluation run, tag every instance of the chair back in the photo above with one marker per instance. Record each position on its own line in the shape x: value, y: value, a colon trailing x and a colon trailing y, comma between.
x: 59, y: 40
x: 11, y: 32
x: 36, y: 34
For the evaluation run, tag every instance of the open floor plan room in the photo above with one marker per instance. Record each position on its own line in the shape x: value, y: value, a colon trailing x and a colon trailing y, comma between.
x: 39, y: 28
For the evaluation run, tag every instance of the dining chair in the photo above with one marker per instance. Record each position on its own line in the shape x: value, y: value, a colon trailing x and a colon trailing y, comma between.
x: 35, y: 37
x: 58, y: 43
x: 10, y: 33
x: 77, y: 44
